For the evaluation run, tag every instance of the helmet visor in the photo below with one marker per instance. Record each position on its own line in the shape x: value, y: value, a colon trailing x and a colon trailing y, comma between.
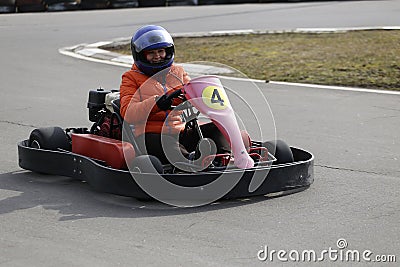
x: 152, y: 38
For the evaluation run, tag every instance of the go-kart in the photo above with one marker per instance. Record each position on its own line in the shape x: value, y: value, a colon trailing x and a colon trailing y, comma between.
x: 108, y: 157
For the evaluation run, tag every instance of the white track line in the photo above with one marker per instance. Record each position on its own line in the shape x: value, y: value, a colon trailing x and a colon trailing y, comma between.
x: 354, y: 89
x: 75, y: 55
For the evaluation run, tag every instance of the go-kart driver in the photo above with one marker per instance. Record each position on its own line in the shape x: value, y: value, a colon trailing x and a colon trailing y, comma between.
x: 145, y: 105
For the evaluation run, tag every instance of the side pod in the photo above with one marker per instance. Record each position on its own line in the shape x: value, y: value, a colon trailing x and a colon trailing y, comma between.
x: 114, y: 152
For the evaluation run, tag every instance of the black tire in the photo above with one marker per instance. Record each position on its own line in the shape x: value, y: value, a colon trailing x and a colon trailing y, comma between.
x: 280, y: 150
x: 213, y: 2
x: 146, y: 164
x: 50, y: 138
x: 181, y: 2
x: 152, y: 3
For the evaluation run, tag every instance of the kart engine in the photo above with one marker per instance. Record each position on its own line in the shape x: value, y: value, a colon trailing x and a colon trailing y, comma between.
x: 100, y: 101
x: 96, y: 103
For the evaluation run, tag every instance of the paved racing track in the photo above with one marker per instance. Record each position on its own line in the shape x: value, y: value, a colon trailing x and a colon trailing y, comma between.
x: 53, y: 221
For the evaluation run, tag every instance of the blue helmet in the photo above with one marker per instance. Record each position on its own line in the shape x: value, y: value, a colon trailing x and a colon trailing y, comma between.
x: 148, y: 38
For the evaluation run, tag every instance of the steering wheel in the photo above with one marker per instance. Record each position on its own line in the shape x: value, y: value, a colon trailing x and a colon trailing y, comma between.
x: 175, y: 94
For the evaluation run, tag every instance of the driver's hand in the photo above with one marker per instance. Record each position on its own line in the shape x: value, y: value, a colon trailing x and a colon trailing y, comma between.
x: 163, y: 102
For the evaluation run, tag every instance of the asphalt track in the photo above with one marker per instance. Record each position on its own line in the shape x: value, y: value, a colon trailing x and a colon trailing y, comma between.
x: 53, y: 221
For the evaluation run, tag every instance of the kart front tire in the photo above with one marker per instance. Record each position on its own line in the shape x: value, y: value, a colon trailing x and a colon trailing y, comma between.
x: 146, y: 164
x: 49, y: 138
x: 280, y: 150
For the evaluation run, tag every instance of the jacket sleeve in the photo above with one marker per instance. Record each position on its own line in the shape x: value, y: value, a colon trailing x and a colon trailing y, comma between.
x: 133, y: 107
x: 181, y: 78
x: 186, y: 77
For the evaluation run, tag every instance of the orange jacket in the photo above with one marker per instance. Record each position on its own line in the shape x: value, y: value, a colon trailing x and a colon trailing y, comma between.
x: 138, y: 105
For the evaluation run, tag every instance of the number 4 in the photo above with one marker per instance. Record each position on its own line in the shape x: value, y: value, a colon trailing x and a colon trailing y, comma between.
x: 216, y: 98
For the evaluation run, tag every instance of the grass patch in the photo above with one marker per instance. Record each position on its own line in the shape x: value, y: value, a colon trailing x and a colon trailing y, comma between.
x: 367, y: 59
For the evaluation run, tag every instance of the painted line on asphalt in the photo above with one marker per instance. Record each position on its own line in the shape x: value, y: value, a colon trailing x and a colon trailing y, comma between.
x: 308, y: 85
x: 75, y: 55
x: 342, y: 88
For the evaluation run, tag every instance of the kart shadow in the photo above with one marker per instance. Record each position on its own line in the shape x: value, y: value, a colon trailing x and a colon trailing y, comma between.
x: 74, y: 199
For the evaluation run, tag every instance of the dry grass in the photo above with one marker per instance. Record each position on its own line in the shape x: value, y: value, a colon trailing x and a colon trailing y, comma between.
x: 368, y: 59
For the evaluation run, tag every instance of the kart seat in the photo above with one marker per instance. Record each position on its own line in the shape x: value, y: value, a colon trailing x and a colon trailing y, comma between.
x: 127, y: 130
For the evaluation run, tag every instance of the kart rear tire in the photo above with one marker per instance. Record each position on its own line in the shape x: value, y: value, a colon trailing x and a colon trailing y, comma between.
x: 152, y: 3
x: 146, y: 164
x: 280, y: 150
x: 49, y: 138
